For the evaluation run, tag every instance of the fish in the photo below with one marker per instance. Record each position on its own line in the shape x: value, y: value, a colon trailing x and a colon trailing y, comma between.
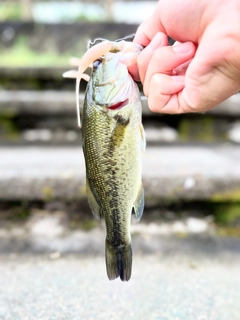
x: 113, y: 140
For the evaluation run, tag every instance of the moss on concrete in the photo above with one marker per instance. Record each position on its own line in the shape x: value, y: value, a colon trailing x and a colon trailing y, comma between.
x: 227, y: 196
x: 201, y: 128
x: 89, y: 224
x: 8, y: 126
x: 47, y: 193
x: 228, y: 231
x: 227, y: 213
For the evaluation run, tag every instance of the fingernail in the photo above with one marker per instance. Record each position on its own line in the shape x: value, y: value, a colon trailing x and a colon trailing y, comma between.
x: 183, y: 47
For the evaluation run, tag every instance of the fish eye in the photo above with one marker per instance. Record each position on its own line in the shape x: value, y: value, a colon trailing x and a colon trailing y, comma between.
x: 96, y: 63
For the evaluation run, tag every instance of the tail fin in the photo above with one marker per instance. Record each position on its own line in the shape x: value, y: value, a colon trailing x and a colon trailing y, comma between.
x: 119, y: 262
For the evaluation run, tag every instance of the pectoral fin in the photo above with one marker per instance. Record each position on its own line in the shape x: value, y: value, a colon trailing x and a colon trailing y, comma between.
x: 94, y: 206
x: 138, y: 205
x: 143, y: 136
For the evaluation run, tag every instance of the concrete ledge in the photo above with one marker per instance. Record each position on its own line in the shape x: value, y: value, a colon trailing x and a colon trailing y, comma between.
x: 38, y: 102
x: 170, y: 174
x: 32, y: 72
x: 58, y: 102
x: 45, y: 102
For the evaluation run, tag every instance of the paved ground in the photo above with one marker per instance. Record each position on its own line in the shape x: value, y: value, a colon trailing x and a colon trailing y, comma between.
x: 161, y: 288
x: 181, y: 271
x: 178, y: 172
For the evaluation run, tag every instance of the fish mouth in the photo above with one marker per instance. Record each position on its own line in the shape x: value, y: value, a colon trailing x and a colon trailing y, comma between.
x: 118, y: 105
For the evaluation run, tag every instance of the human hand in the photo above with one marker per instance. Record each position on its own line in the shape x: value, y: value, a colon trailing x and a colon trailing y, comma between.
x: 203, y: 68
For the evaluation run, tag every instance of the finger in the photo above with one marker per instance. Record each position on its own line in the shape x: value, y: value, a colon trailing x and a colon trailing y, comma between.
x: 165, y: 59
x: 212, y: 76
x: 148, y: 29
x: 206, y: 85
x: 163, y: 93
x: 138, y: 71
x: 159, y: 40
x: 181, y: 70
x: 133, y: 70
x: 190, y: 93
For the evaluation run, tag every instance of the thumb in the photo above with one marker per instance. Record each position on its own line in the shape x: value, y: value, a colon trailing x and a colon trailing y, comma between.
x: 208, y: 82
x: 210, y: 78
x: 165, y: 61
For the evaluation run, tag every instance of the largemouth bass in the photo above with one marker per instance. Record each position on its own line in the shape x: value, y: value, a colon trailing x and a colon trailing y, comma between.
x: 113, y: 139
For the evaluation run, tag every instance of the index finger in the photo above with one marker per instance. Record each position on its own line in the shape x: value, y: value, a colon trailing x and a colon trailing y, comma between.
x: 148, y: 29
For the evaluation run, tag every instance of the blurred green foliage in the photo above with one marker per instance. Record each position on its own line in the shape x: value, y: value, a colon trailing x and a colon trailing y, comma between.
x: 10, y: 11
x: 13, y: 12
x: 20, y: 54
x: 86, y: 18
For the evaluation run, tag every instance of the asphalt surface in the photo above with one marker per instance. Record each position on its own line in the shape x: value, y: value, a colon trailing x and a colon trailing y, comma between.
x: 161, y: 288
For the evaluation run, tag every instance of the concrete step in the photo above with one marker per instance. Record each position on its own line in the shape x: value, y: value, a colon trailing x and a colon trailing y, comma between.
x: 170, y: 174
x: 63, y: 102
x: 49, y: 117
x: 34, y: 78
x: 52, y: 73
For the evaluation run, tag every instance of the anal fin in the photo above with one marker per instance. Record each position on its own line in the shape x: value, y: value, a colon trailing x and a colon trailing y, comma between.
x: 138, y: 205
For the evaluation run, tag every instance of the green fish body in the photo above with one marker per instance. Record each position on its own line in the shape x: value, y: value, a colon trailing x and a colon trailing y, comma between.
x: 113, y: 140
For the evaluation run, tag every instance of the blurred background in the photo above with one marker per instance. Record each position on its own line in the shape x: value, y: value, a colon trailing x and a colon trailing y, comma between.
x: 37, y: 108
x: 191, y: 170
